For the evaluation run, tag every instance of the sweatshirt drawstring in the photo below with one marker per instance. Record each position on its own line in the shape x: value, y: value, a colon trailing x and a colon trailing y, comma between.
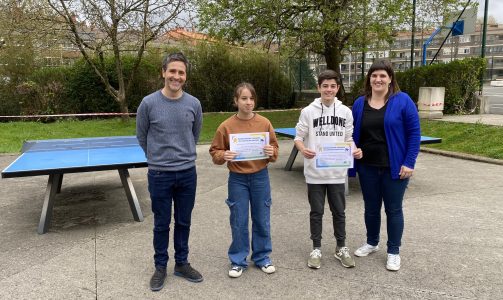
x: 322, y: 115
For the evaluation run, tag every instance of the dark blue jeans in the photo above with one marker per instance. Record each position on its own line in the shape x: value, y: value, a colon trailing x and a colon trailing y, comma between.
x: 378, y: 187
x: 178, y: 187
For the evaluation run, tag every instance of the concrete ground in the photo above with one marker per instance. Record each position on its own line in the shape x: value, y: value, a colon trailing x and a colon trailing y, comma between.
x: 452, y: 244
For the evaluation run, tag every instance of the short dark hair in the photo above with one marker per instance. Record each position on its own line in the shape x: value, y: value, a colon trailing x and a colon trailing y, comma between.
x: 327, y: 75
x: 384, y: 65
x: 177, y: 56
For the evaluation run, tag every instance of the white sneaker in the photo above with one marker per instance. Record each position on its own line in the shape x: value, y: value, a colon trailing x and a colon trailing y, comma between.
x: 235, y: 271
x: 393, y: 262
x: 269, y: 269
x: 366, y: 250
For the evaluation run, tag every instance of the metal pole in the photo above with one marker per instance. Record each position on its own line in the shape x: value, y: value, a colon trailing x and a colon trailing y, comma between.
x: 484, y: 34
x: 484, y: 31
x: 364, y: 34
x: 413, y: 35
x: 300, y: 76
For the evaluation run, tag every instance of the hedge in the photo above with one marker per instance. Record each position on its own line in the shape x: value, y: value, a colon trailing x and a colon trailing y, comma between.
x: 461, y: 79
x: 215, y: 69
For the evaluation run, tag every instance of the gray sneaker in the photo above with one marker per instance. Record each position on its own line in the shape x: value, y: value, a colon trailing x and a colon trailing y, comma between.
x: 314, y: 260
x: 342, y: 254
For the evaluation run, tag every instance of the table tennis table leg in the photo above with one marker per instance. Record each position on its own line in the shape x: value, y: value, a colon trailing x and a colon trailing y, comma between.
x: 291, y: 159
x: 60, y: 182
x: 131, y: 195
x: 50, y: 194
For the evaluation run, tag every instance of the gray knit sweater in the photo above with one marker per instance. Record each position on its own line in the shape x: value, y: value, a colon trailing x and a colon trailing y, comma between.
x: 168, y: 130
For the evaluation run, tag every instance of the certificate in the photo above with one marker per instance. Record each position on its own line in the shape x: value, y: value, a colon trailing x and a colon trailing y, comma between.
x: 334, y: 155
x: 249, y: 146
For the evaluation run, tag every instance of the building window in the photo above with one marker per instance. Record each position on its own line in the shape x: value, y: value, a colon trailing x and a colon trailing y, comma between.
x: 464, y: 51
x: 464, y: 39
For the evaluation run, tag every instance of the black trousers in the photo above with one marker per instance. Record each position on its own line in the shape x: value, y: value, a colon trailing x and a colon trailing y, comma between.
x: 336, y: 201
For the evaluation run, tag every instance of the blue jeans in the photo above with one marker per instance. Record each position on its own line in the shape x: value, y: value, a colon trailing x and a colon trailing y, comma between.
x: 245, y: 191
x: 378, y: 187
x: 178, y: 187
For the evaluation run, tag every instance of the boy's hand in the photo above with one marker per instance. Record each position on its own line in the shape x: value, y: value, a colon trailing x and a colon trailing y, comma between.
x: 308, y: 153
x: 358, y: 153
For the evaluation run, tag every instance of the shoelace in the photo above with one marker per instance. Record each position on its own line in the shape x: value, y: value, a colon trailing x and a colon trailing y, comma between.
x: 236, y: 268
x: 344, y: 251
x: 368, y: 247
x: 394, y: 259
x: 316, y: 253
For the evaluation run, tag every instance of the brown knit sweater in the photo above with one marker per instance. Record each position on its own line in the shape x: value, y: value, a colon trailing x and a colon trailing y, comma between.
x: 235, y: 125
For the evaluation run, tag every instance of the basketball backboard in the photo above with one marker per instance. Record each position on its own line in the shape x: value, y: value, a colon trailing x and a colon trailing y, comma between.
x: 469, y: 17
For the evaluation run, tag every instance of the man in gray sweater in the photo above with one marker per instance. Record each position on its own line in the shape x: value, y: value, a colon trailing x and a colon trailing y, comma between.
x: 168, y: 124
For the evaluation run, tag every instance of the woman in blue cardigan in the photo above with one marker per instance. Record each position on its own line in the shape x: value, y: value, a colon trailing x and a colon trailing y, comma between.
x: 388, y: 132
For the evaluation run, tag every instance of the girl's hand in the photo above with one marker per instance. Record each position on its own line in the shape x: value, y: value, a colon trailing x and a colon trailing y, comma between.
x: 269, y: 150
x: 229, y: 155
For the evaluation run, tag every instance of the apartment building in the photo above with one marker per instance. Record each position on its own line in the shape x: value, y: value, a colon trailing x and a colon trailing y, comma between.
x: 399, y: 52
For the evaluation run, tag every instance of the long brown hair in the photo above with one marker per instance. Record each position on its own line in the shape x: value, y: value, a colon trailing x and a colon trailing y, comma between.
x: 385, y: 65
x: 242, y: 86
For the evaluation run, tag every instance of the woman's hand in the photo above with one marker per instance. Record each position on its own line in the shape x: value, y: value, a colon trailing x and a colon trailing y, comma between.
x: 269, y: 150
x: 358, y: 153
x: 229, y: 155
x: 405, y: 172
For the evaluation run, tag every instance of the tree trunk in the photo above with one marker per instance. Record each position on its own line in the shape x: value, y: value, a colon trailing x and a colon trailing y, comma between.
x: 123, y: 105
x: 333, y: 58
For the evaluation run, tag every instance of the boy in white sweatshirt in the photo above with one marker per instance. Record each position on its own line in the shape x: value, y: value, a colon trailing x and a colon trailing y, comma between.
x: 326, y: 120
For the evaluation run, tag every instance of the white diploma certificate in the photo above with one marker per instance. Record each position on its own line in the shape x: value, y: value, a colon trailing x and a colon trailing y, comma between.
x: 334, y: 155
x: 249, y: 146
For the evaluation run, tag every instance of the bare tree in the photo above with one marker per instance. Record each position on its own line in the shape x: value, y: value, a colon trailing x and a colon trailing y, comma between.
x: 98, y: 27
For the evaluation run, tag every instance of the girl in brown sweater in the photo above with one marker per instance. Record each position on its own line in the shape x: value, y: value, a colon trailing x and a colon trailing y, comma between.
x: 248, y: 185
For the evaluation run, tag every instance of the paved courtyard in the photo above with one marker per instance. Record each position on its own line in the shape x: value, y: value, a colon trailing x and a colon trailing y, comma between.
x: 452, y: 245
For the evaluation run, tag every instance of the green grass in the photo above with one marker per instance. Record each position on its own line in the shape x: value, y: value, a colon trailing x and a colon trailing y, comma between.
x: 13, y: 134
x: 477, y: 139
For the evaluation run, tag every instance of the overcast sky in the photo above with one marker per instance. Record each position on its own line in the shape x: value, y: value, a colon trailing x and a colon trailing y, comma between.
x: 495, y: 9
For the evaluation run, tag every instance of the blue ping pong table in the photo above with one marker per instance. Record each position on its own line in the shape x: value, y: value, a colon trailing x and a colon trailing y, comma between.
x: 290, y: 133
x: 57, y: 157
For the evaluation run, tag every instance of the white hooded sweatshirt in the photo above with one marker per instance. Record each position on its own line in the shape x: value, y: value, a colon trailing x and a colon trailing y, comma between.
x: 319, y: 124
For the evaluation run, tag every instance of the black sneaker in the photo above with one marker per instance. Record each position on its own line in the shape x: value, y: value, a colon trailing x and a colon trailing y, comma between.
x: 157, y: 280
x: 187, y: 272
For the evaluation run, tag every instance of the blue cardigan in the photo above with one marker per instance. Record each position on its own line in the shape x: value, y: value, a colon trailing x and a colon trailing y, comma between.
x: 402, y: 129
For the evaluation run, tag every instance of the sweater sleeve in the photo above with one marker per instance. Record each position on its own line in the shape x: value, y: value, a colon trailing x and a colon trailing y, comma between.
x: 349, y: 126
x: 273, y: 141
x: 218, y: 147
x: 198, y: 123
x: 142, y: 125
x: 413, y: 133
